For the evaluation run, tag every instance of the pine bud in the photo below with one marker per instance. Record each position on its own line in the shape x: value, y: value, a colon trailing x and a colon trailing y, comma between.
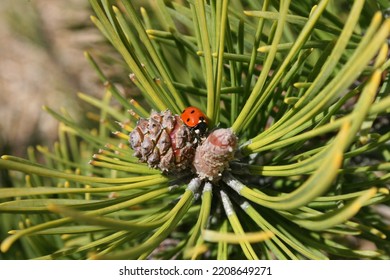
x: 213, y: 155
x: 163, y: 141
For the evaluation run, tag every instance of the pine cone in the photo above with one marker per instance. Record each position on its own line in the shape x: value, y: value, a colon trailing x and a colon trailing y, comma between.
x: 213, y: 155
x: 164, y: 141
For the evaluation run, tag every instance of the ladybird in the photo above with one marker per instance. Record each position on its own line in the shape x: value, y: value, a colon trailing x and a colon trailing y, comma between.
x: 195, y: 119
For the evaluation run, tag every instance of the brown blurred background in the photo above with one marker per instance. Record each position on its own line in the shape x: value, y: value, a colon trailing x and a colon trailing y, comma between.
x: 42, y: 63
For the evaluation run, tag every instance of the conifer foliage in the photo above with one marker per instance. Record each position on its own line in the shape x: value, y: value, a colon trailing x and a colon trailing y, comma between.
x: 294, y: 163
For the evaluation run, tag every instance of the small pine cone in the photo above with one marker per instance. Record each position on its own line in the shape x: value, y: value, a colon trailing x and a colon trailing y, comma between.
x: 163, y: 141
x: 213, y: 155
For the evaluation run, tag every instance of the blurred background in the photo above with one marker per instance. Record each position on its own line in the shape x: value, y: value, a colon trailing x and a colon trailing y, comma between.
x: 42, y: 63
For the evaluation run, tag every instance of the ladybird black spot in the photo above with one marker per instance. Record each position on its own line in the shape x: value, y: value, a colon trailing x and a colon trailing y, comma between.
x: 188, y: 119
x: 193, y: 111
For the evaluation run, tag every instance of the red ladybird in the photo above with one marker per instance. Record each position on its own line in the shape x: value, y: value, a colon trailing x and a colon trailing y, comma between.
x: 195, y: 119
